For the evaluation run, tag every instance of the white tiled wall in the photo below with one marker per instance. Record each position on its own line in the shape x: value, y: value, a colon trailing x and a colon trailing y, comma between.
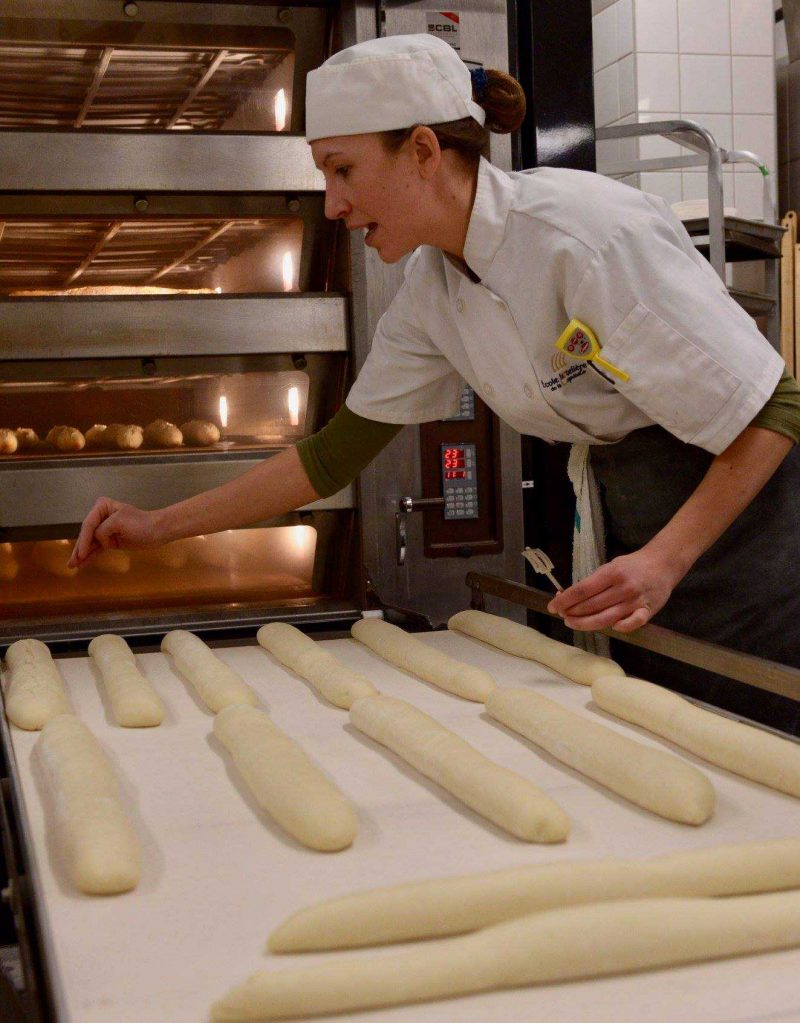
x: 711, y: 61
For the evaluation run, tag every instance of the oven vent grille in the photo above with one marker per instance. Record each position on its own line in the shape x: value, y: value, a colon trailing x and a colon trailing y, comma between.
x: 124, y: 87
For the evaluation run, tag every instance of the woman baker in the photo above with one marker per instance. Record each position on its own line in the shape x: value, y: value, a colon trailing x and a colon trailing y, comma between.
x: 684, y: 428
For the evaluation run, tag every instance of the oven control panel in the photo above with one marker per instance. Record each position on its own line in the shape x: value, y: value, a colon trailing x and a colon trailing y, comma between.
x: 460, y: 469
x: 460, y: 481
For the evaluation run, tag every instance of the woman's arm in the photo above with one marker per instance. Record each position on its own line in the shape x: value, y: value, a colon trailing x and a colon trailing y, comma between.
x: 628, y: 591
x: 273, y: 487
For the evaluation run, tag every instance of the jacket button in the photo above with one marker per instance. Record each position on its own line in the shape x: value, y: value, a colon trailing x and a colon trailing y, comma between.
x: 528, y: 391
x: 460, y: 305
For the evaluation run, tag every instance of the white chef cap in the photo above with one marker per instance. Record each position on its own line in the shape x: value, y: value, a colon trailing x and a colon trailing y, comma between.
x: 383, y: 84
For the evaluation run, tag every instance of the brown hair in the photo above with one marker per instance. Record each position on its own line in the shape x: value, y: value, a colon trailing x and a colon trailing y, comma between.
x: 503, y: 100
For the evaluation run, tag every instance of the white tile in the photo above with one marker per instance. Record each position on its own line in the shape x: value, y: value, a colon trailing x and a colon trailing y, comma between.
x: 753, y: 85
x: 750, y: 196
x: 695, y: 186
x: 598, y: 6
x: 606, y: 95
x: 656, y: 25
x: 752, y: 27
x: 657, y: 81
x: 604, y: 38
x: 667, y: 184
x: 631, y: 179
x: 607, y: 153
x: 756, y: 132
x: 624, y: 9
x: 627, y: 85
x: 704, y: 26
x: 705, y: 84
x: 649, y: 146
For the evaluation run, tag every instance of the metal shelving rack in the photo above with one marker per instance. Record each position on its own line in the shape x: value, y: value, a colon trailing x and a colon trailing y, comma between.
x: 721, y: 239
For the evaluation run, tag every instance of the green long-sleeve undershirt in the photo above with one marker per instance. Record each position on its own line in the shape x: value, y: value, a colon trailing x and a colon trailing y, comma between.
x: 334, y: 457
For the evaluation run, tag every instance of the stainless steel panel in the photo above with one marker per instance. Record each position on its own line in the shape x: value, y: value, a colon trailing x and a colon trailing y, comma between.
x: 58, y: 328
x: 105, y: 161
x: 39, y: 496
x: 435, y: 587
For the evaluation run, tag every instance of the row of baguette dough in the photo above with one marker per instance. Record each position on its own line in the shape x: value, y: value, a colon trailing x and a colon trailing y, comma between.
x: 98, y: 851
x: 275, y: 996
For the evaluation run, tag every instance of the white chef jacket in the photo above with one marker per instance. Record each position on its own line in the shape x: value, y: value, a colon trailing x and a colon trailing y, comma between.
x: 548, y: 246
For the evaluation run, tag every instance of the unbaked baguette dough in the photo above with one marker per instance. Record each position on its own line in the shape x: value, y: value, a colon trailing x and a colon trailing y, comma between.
x: 410, y: 654
x: 743, y: 749
x: 326, y: 673
x: 562, y: 944
x: 452, y: 905
x: 134, y: 702
x: 36, y: 692
x: 651, y: 778
x: 216, y: 684
x: 522, y: 641
x: 497, y: 793
x: 285, y: 783
x: 101, y: 847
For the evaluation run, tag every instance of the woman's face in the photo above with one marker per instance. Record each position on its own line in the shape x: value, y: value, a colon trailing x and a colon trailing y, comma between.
x: 373, y: 189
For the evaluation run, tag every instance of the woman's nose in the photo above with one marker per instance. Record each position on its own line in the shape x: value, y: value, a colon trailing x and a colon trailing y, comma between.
x: 335, y: 206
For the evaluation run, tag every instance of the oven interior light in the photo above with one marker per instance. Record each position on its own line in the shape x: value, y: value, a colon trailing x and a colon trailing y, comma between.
x: 223, y: 411
x: 302, y: 540
x: 217, y: 291
x: 288, y: 271
x: 293, y: 401
x: 280, y: 110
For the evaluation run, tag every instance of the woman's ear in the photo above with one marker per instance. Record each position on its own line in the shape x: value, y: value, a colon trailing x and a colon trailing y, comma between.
x: 425, y: 150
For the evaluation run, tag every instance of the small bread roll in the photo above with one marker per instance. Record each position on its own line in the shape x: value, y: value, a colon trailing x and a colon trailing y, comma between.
x: 161, y: 434
x: 95, y: 435
x: 66, y: 438
x: 200, y: 433
x: 8, y: 442
x: 126, y: 437
x: 112, y: 562
x: 26, y: 437
x: 52, y: 556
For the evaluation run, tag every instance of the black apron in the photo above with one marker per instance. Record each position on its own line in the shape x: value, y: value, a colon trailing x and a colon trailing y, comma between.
x: 743, y: 593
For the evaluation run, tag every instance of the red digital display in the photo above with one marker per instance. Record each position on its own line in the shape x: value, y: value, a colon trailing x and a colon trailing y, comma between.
x: 454, y: 458
x: 455, y: 474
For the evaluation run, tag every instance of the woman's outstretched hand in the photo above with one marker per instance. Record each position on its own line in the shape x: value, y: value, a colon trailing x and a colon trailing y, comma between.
x: 623, y: 594
x: 112, y: 524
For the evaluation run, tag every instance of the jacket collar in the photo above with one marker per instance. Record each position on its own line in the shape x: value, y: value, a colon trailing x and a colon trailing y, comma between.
x: 487, y: 222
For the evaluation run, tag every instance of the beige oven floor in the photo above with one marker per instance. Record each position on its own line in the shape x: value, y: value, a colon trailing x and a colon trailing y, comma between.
x: 217, y: 878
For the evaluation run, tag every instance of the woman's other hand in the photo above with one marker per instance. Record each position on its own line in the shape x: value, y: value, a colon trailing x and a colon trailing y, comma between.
x: 112, y: 524
x: 622, y: 595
